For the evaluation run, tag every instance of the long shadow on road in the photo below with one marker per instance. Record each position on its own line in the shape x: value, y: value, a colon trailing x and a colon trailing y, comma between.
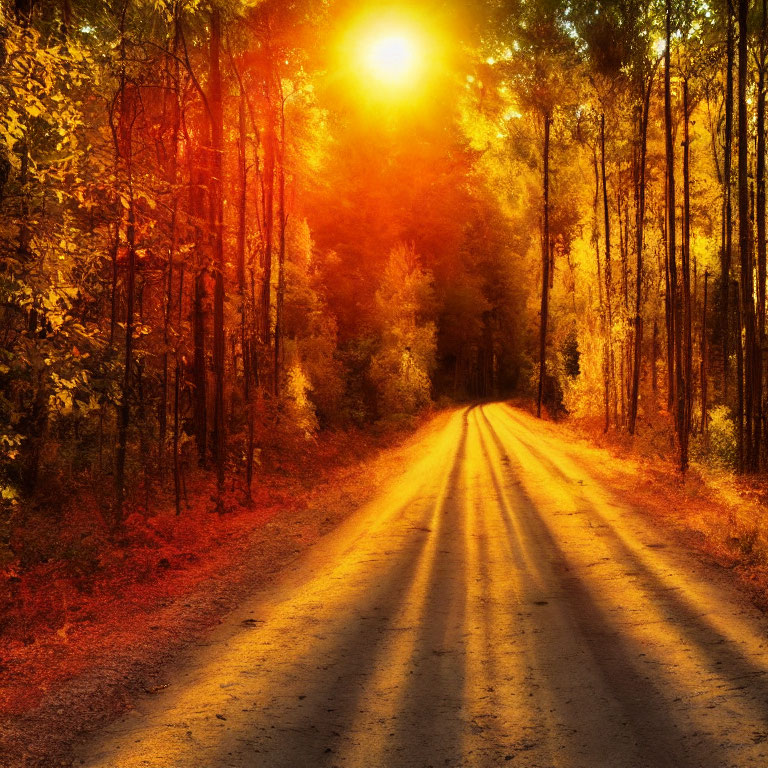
x: 646, y: 707
x: 714, y: 647
x: 314, y: 730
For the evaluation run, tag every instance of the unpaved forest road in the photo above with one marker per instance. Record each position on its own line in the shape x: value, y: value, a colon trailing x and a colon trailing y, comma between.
x: 495, y: 606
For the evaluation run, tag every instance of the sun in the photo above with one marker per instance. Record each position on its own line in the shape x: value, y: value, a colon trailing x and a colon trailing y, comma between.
x: 391, y: 58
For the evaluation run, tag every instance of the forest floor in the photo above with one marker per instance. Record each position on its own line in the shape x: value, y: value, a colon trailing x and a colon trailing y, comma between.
x: 79, y: 641
x: 141, y: 640
x: 511, y: 595
x: 720, y: 514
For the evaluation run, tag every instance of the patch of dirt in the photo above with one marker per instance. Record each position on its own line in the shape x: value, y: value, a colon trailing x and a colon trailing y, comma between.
x: 172, y: 581
x: 716, y: 513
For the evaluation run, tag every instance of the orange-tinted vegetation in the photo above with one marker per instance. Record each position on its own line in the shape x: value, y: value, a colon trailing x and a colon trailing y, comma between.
x: 244, y: 241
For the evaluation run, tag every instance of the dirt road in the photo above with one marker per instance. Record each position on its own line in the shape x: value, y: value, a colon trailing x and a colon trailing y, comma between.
x: 497, y: 605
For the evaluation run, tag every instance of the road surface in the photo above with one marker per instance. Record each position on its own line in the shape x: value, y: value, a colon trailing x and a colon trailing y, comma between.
x: 496, y: 605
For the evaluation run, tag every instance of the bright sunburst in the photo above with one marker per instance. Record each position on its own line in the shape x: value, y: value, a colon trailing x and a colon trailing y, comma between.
x: 391, y: 58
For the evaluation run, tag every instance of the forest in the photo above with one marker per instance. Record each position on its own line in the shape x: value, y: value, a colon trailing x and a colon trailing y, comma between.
x: 228, y: 228
x: 244, y: 243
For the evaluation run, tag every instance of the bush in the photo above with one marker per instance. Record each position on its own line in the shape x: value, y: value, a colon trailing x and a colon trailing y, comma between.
x: 401, y: 367
x: 723, y: 445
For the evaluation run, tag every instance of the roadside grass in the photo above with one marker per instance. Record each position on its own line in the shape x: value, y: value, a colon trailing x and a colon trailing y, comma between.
x: 721, y: 514
x: 74, y: 591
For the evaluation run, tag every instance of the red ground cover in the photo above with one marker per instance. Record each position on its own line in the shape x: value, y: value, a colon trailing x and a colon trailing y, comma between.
x: 59, y: 617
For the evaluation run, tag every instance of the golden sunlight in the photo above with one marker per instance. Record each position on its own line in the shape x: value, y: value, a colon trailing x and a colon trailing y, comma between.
x: 391, y: 58
x: 390, y: 50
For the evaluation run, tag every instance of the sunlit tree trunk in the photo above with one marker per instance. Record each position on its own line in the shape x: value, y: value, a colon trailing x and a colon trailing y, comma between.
x: 740, y: 377
x: 217, y: 209
x: 268, y: 180
x: 761, y: 238
x: 125, y: 396
x: 640, y: 231
x: 173, y: 181
x: 245, y: 336
x: 625, y: 367
x: 281, y: 222
x: 747, y: 301
x: 654, y: 359
x: 704, y: 361
x: 198, y: 170
x: 125, y: 141
x: 679, y: 399
x: 725, y: 257
x: 608, y: 274
x: 687, y: 400
x: 603, y: 323
x: 669, y: 301
x: 545, y: 267
x: 199, y: 377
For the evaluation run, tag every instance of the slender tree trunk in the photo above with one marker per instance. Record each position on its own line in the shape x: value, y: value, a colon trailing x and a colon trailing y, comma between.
x: 173, y: 179
x: 669, y: 303
x: 704, y: 361
x: 603, y: 323
x: 725, y: 258
x: 671, y: 246
x: 654, y: 358
x: 176, y: 458
x: 217, y: 208
x: 761, y: 239
x: 640, y: 231
x: 686, y: 276
x: 125, y: 142
x: 281, y: 222
x: 245, y: 336
x: 199, y: 376
x: 242, y: 209
x: 608, y: 274
x: 113, y: 252
x: 545, y: 268
x: 125, y: 397
x: 269, y: 217
x: 747, y: 300
x: 199, y: 172
x: 740, y: 376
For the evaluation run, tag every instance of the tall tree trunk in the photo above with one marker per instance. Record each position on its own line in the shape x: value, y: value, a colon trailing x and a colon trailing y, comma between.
x: 761, y: 238
x: 125, y: 396
x: 176, y: 457
x: 640, y: 231
x: 671, y: 245
x: 114, y: 250
x: 686, y: 276
x: 269, y: 217
x: 173, y: 180
x: 725, y: 256
x: 125, y: 144
x: 603, y: 323
x: 669, y: 303
x: 199, y: 374
x: 245, y: 335
x: 740, y: 377
x: 654, y: 358
x: 608, y: 274
x: 281, y: 222
x: 704, y: 361
x: 545, y: 268
x: 747, y: 301
x: 217, y: 208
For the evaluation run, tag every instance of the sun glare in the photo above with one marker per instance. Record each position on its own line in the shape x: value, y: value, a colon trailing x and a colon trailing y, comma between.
x: 391, y: 58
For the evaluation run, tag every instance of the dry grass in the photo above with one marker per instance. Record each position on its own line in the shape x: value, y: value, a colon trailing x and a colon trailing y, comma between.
x: 720, y: 514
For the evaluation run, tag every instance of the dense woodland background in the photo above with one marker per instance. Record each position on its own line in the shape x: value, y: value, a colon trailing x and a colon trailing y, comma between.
x: 219, y: 238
